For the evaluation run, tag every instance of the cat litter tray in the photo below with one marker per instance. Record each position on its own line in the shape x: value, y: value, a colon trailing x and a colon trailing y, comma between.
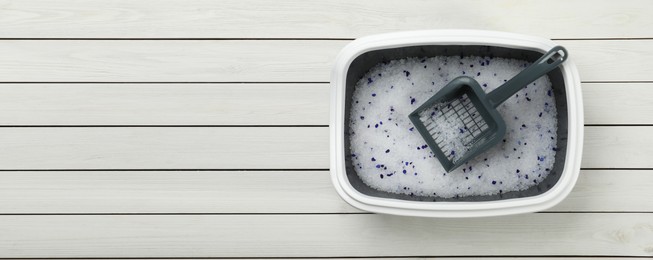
x: 363, y: 54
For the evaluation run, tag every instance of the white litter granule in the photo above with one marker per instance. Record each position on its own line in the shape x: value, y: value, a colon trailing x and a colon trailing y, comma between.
x: 389, y: 154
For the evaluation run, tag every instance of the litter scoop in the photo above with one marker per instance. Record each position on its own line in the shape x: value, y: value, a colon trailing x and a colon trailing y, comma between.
x: 461, y: 121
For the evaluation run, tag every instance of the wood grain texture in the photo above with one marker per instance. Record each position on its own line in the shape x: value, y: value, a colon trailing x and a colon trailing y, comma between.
x: 324, y: 235
x: 243, y: 104
x: 251, y: 61
x: 167, y: 61
x: 164, y: 104
x: 489, y: 257
x: 164, y: 148
x: 610, y: 190
x: 51, y: 148
x: 170, y: 192
x: 436, y: 257
x: 618, y: 103
x: 131, y: 191
x: 322, y: 19
x: 442, y: 258
x: 252, y: 192
x: 618, y: 147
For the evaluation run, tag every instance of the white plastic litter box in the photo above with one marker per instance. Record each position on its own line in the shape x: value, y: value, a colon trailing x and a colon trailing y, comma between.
x: 364, y: 53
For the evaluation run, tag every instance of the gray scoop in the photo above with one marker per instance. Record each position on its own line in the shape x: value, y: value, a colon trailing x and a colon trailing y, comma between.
x: 461, y: 121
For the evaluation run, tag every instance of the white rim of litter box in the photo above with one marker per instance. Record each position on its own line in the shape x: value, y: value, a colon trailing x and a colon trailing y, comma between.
x: 539, y: 202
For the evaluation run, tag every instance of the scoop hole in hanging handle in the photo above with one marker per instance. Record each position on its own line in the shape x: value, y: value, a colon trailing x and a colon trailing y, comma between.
x: 557, y: 55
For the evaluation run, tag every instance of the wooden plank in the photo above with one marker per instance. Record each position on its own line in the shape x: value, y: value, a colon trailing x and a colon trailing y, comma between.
x: 317, y: 19
x: 618, y: 103
x: 610, y: 190
x: 164, y: 148
x: 431, y: 257
x: 604, y: 234
x: 251, y: 61
x: 492, y: 257
x: 243, y: 104
x: 167, y: 61
x: 611, y: 60
x: 254, y: 192
x: 618, y: 147
x: 436, y: 257
x: 164, y: 104
x: 452, y: 258
x: 170, y: 192
x: 241, y: 147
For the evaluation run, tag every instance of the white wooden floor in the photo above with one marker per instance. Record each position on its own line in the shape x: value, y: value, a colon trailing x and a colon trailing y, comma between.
x: 199, y: 129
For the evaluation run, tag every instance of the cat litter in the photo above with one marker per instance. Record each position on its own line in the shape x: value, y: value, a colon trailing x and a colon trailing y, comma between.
x: 388, y: 154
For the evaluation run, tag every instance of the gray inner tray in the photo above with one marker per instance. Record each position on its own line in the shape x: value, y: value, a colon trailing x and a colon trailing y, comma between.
x: 366, y: 61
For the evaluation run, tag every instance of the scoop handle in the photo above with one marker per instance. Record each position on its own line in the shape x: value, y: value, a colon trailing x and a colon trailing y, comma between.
x: 539, y: 68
